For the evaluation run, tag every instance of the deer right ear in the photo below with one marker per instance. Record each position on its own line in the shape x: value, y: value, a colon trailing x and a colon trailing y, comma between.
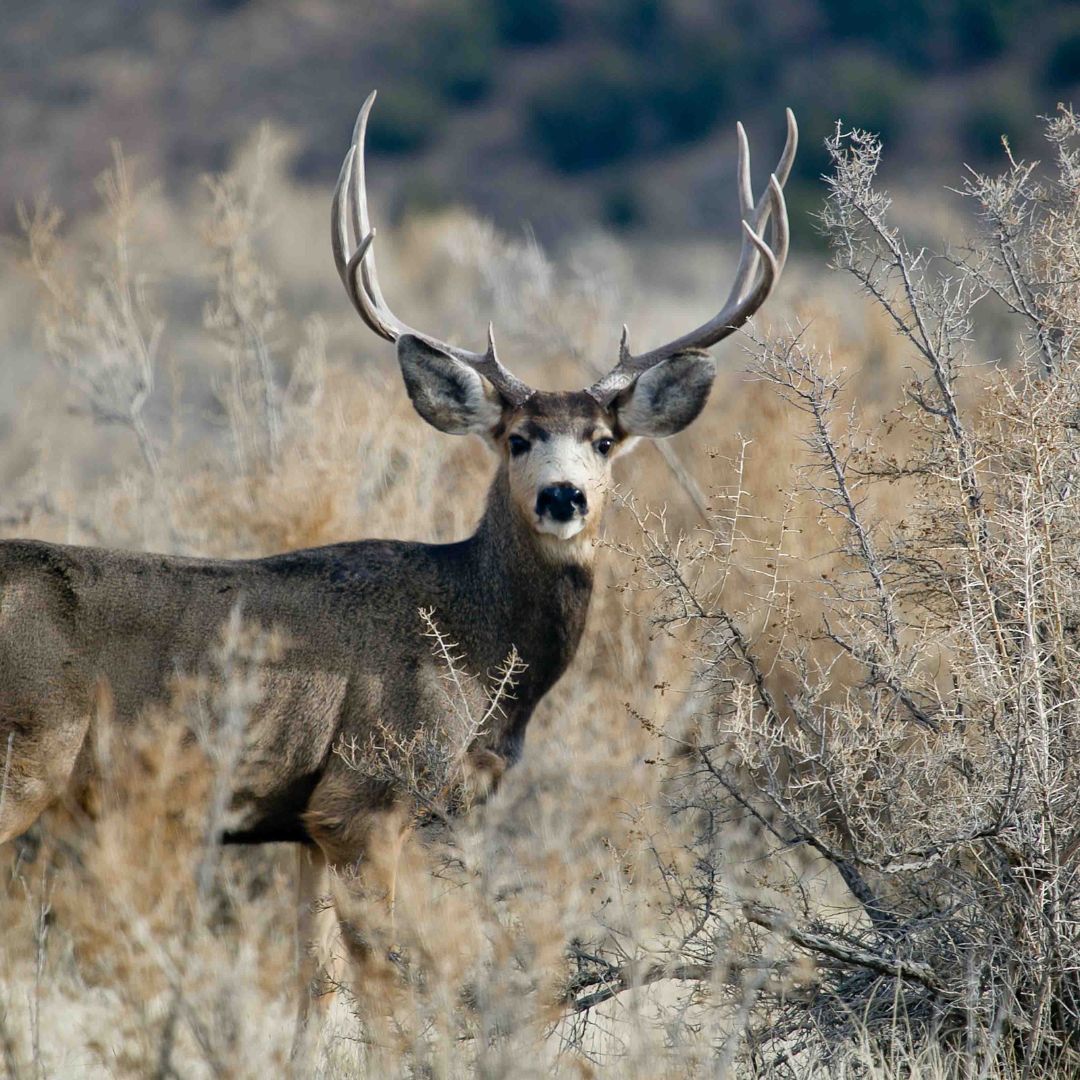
x: 666, y: 397
x: 448, y: 394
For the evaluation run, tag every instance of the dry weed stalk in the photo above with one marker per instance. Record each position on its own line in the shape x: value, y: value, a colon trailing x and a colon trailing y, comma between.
x: 243, y: 312
x: 99, y: 324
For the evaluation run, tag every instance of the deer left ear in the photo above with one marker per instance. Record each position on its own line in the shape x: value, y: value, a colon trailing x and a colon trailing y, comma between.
x: 667, y: 397
x: 448, y: 394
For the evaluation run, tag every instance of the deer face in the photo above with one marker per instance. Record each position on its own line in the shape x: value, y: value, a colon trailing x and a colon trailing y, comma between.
x: 557, y: 447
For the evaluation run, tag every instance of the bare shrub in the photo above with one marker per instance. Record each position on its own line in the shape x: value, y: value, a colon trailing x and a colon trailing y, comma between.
x: 243, y: 311
x: 919, y: 737
x: 98, y: 321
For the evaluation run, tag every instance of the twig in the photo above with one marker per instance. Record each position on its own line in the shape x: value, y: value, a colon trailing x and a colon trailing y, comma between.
x: 846, y: 954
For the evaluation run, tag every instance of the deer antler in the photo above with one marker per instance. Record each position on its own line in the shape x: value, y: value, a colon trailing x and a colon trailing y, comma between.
x: 742, y: 300
x: 350, y: 212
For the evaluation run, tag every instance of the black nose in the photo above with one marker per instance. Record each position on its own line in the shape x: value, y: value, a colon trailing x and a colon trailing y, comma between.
x: 561, y: 502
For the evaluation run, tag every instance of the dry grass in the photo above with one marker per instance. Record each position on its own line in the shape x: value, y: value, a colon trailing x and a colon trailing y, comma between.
x: 611, y: 908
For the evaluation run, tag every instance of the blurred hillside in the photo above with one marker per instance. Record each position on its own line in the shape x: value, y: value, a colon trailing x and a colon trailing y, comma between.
x: 551, y: 112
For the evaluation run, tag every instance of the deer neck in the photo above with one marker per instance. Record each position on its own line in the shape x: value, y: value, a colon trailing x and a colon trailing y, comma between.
x: 516, y: 551
x: 535, y: 596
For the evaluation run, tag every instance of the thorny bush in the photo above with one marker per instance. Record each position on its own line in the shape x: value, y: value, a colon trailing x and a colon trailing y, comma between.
x: 915, y: 727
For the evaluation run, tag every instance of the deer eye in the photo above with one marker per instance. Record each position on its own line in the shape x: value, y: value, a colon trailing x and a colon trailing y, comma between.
x: 603, y: 446
x: 518, y: 445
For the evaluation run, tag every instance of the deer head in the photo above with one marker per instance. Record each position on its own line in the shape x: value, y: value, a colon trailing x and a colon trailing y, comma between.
x: 558, y: 447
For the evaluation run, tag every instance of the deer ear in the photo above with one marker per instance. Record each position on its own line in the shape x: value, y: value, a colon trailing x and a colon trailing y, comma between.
x: 448, y: 394
x: 664, y: 399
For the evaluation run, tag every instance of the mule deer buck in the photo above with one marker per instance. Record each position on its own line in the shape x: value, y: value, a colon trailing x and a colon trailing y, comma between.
x: 73, y: 618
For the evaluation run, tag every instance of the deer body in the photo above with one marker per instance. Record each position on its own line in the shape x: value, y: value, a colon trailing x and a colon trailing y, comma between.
x: 354, y: 657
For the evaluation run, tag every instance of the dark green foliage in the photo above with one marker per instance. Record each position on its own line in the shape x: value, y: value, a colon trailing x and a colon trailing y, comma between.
x: 862, y: 90
x: 613, y: 105
x: 576, y: 84
x: 405, y: 121
x: 638, y: 24
x: 985, y: 124
x: 455, y: 52
x: 870, y: 93
x: 1063, y: 64
x: 528, y: 22
x: 804, y: 200
x: 621, y: 207
x: 418, y: 193
x: 983, y: 28
x: 903, y: 28
x: 689, y: 90
x: 587, y: 118
x: 981, y: 133
x: 812, y: 161
x: 929, y: 34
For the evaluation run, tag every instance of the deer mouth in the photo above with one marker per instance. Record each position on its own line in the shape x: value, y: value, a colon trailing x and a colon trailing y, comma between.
x: 561, y: 530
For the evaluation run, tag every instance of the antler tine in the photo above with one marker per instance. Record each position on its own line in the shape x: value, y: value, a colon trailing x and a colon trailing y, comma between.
x: 349, y: 213
x: 361, y: 219
x: 339, y: 222
x: 347, y: 265
x: 349, y: 221
x: 737, y: 308
x: 747, y: 266
x: 362, y: 300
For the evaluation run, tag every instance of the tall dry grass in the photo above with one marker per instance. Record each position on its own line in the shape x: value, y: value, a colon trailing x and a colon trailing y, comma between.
x: 773, y: 700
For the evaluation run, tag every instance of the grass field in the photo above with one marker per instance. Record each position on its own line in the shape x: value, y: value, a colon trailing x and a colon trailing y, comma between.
x: 775, y: 820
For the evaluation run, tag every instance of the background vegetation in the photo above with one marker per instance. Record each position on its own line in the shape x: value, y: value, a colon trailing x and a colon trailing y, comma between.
x: 805, y: 804
x: 559, y: 113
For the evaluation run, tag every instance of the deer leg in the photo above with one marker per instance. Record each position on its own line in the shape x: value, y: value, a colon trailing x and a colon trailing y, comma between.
x: 365, y: 847
x: 395, y: 844
x: 38, y: 753
x: 318, y: 960
x: 47, y: 700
